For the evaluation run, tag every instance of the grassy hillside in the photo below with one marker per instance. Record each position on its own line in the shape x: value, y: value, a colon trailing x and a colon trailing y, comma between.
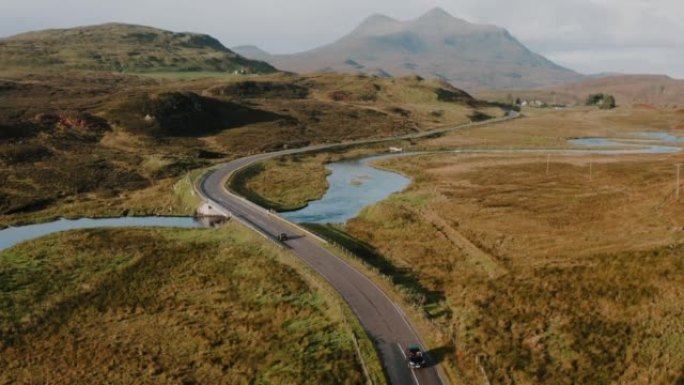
x: 166, y: 307
x: 122, y: 48
x: 94, y: 143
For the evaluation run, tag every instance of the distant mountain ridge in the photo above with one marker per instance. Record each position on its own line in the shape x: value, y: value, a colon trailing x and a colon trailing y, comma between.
x: 434, y: 45
x: 629, y: 89
x: 123, y: 48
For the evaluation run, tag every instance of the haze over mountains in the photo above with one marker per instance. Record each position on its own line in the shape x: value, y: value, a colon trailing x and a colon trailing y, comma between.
x: 123, y: 48
x: 437, y: 45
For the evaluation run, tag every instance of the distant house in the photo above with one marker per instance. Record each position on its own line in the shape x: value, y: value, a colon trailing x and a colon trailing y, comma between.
x: 533, y: 103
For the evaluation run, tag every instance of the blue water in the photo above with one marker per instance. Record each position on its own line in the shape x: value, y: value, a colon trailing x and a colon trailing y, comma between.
x: 14, y: 235
x: 662, y: 136
x: 627, y: 146
x: 598, y: 142
x: 353, y: 185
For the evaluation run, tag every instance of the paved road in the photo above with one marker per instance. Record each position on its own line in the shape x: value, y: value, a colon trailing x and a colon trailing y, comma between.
x: 379, y: 315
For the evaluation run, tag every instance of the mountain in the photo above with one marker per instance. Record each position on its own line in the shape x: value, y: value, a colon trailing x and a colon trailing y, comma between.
x: 123, y: 48
x: 437, y: 45
x: 252, y: 52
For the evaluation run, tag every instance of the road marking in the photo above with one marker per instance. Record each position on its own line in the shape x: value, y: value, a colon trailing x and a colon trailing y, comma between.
x: 414, y: 377
x: 410, y: 370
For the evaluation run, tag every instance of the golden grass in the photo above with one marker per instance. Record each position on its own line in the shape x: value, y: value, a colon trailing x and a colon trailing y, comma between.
x: 166, y: 306
x: 536, y: 277
x: 288, y: 183
x: 170, y: 196
x: 588, y: 272
x: 551, y: 128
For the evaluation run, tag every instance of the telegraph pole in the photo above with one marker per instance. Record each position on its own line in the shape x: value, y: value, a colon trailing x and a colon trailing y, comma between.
x: 679, y: 167
x: 548, y: 160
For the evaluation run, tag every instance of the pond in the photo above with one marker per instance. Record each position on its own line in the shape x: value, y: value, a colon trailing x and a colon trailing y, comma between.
x: 354, y: 184
x: 648, y: 144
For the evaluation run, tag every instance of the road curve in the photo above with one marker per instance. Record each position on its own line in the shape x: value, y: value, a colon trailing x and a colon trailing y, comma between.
x: 382, y: 319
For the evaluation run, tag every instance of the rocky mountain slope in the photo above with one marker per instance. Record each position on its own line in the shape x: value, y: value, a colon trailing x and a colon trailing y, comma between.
x: 434, y: 45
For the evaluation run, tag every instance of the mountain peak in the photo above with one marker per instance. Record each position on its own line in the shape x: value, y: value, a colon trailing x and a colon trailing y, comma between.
x: 436, y: 44
x: 435, y: 13
x: 378, y: 18
x: 374, y: 24
x: 439, y: 17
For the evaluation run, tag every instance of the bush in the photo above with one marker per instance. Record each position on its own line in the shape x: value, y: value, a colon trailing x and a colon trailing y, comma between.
x: 603, y: 101
x: 608, y: 103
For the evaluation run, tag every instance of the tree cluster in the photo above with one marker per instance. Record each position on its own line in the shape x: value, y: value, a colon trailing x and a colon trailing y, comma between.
x: 603, y: 101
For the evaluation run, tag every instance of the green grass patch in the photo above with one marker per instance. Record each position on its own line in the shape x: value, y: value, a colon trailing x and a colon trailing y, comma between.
x: 165, y: 306
x: 284, y: 184
x: 184, y: 190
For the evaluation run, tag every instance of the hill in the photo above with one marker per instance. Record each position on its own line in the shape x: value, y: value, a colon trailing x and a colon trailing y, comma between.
x: 123, y: 48
x: 434, y: 45
x: 628, y: 90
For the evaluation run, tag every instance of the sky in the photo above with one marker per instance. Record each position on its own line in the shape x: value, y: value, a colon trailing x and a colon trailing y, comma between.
x: 589, y: 36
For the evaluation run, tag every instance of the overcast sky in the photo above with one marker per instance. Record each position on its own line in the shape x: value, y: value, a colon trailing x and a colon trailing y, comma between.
x: 589, y: 36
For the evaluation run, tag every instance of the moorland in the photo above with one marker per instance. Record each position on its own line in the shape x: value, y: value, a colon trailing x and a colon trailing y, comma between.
x: 554, y: 269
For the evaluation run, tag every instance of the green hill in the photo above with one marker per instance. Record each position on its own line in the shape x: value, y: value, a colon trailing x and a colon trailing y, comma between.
x: 123, y: 48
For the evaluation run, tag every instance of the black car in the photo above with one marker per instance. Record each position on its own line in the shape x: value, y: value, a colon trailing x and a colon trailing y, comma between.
x: 415, y: 357
x: 282, y: 237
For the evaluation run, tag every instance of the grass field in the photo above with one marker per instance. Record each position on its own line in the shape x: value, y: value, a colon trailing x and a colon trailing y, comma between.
x: 539, y: 278
x: 168, y: 306
x: 572, y: 279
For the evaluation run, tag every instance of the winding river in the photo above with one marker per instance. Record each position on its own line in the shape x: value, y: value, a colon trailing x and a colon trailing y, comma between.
x: 354, y: 184
x: 14, y: 235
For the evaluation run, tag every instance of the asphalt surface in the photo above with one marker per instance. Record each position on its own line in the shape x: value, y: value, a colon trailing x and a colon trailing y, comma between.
x: 382, y: 319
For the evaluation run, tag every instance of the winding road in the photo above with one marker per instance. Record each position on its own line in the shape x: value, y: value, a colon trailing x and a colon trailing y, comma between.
x: 381, y: 317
